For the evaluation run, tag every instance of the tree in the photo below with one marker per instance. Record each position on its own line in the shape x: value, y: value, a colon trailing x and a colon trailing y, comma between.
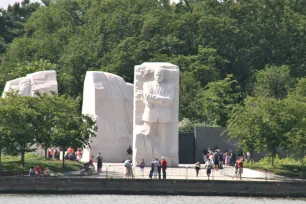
x: 216, y: 39
x: 300, y: 89
x: 273, y: 82
x: 295, y: 116
x: 12, y: 22
x: 44, y: 124
x: 50, y: 120
x: 259, y: 125
x: 17, y: 123
x: 217, y: 100
x: 70, y: 127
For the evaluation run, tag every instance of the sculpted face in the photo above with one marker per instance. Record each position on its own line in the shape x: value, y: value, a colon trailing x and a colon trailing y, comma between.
x: 159, y: 75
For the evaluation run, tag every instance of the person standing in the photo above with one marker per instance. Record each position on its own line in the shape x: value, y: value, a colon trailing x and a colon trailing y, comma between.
x: 216, y: 159
x: 155, y: 172
x: 152, y: 169
x: 129, y: 152
x: 236, y: 169
x: 99, y: 163
x: 209, y: 166
x: 142, y: 166
x: 158, y: 168
x: 197, y: 168
x: 79, y: 154
x: 240, y: 168
x: 164, y: 167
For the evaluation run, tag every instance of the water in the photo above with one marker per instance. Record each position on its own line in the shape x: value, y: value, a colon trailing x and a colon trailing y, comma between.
x: 131, y: 199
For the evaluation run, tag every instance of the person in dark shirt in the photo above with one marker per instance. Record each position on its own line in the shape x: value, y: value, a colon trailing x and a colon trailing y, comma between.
x: 129, y: 152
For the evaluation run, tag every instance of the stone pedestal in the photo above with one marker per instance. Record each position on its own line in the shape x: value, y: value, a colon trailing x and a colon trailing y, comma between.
x: 156, y: 102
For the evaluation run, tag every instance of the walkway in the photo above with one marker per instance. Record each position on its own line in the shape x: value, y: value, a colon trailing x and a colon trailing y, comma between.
x: 117, y: 170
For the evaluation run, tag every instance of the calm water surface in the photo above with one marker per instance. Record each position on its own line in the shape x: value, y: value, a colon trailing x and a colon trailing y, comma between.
x: 122, y: 199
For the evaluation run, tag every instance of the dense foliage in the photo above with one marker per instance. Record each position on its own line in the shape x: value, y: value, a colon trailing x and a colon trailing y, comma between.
x: 242, y: 62
x: 47, y: 120
x: 208, y: 39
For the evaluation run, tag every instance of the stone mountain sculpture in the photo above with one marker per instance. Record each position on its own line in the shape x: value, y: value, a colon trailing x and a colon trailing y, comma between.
x: 109, y: 99
x: 156, y: 92
x: 42, y: 82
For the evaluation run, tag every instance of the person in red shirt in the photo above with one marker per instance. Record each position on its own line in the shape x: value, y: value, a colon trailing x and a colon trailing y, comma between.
x: 240, y: 168
x: 91, y: 160
x: 164, y: 167
x: 38, y: 171
x: 90, y: 163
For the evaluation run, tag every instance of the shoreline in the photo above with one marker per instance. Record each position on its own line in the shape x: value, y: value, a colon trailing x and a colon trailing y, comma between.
x: 71, y: 185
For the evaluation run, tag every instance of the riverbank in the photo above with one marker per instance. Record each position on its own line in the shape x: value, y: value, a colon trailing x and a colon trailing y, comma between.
x: 72, y: 185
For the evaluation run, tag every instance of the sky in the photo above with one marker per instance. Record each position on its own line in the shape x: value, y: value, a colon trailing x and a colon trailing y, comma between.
x: 5, y: 3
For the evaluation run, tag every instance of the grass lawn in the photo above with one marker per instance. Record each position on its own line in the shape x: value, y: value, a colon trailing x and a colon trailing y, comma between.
x: 11, y: 165
x: 285, y: 167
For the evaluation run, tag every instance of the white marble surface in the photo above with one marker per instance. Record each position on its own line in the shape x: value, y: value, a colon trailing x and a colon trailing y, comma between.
x: 12, y: 85
x: 156, y: 102
x: 109, y: 99
x: 42, y: 82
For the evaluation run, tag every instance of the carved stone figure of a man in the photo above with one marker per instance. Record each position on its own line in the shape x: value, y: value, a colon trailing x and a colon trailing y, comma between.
x: 158, y: 96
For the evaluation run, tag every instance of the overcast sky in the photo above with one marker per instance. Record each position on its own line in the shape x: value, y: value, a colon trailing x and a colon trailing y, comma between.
x: 5, y: 3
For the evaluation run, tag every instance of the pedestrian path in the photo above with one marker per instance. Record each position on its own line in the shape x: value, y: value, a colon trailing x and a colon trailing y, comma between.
x: 185, y: 171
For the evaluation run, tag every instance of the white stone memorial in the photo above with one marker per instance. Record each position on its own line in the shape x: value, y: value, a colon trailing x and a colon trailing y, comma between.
x: 12, y: 85
x: 109, y: 99
x: 156, y: 102
x: 42, y: 82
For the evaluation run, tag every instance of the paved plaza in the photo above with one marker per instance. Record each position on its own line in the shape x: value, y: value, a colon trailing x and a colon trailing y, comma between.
x: 185, y: 171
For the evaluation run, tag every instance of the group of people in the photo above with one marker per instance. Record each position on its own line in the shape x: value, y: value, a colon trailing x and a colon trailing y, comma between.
x: 99, y: 160
x: 74, y: 155
x: 208, y: 165
x: 70, y: 154
x: 157, y: 167
x: 216, y: 159
x: 37, y: 171
x: 53, y: 153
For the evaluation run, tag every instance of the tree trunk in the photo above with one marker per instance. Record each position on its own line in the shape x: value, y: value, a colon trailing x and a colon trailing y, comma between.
x: 22, y: 158
x: 63, y: 158
x: 46, y: 153
x: 302, y: 166
x: 273, y: 157
x: 188, y: 5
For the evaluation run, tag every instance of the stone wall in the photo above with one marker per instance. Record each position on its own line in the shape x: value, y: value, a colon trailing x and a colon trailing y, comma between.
x: 210, y: 137
x: 186, y: 148
x: 150, y: 187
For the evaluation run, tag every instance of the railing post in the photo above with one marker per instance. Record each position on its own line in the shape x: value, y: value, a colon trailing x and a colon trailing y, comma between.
x: 186, y: 177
